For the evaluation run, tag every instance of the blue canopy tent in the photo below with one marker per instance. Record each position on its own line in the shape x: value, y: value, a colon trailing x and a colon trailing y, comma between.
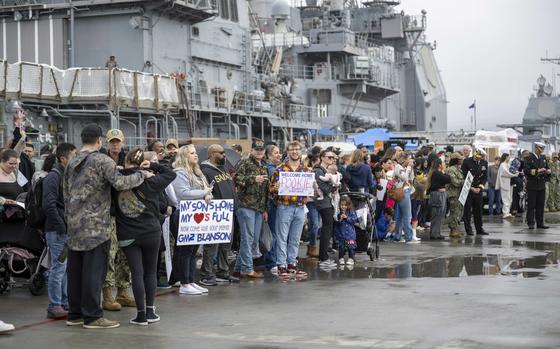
x: 369, y: 137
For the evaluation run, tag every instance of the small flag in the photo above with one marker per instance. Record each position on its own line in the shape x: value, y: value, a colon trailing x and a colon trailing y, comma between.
x: 473, y: 106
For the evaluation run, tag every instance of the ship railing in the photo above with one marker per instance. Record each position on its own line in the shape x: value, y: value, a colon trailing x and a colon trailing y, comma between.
x: 306, y: 72
x: 297, y: 112
x: 123, y: 88
x: 338, y: 37
x: 414, y: 22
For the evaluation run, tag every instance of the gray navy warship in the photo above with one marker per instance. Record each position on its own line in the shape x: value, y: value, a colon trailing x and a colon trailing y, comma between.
x: 229, y: 69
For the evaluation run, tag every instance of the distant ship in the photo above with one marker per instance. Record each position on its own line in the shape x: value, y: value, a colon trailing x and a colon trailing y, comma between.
x: 228, y: 69
x: 541, y: 119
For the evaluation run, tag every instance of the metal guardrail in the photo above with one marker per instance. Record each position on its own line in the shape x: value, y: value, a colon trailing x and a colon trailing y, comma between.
x: 414, y: 22
x: 122, y: 87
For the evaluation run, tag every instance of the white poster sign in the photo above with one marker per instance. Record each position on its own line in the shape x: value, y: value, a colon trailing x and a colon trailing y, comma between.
x: 201, y: 223
x: 296, y: 183
x: 168, y: 263
x: 381, y: 193
x: 466, y: 188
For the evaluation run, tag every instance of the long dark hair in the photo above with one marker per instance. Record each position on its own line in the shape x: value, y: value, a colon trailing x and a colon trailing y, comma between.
x: 504, y: 158
x: 435, y: 167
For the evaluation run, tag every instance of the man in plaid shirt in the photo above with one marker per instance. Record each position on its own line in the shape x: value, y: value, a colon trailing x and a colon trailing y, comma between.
x: 290, y: 215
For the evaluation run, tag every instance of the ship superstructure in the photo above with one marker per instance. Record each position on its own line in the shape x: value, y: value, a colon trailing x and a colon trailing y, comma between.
x: 270, y: 69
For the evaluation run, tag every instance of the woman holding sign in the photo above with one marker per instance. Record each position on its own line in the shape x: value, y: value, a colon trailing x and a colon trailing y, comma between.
x: 190, y: 184
x: 139, y: 231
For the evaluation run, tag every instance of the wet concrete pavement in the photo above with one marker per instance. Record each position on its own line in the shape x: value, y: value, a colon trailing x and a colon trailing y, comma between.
x: 501, y: 290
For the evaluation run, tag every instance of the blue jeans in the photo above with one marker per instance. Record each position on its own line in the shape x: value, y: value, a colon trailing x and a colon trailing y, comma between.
x: 57, y: 274
x: 312, y: 223
x: 270, y: 256
x: 494, y: 197
x: 404, y: 218
x: 289, y: 226
x: 250, y: 224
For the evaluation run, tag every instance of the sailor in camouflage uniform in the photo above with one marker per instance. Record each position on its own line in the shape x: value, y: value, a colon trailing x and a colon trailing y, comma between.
x: 553, y: 200
x: 453, y: 192
x: 118, y: 272
x: 87, y: 200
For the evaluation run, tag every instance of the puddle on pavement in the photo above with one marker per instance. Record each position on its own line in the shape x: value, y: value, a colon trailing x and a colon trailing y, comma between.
x: 398, y: 267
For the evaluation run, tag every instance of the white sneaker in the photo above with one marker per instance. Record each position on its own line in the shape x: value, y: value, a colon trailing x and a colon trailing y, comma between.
x: 410, y: 242
x: 341, y: 261
x: 350, y: 261
x: 274, y: 270
x: 189, y: 289
x: 327, y: 263
x: 507, y: 215
x: 415, y: 238
x: 200, y: 288
x: 4, y: 327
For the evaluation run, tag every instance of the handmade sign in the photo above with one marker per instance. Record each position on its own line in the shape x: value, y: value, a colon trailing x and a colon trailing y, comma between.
x: 466, y: 189
x: 201, y: 223
x: 168, y: 264
x: 296, y: 184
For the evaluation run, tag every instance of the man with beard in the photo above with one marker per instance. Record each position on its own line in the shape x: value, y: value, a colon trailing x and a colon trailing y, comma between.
x: 222, y: 188
x: 290, y: 215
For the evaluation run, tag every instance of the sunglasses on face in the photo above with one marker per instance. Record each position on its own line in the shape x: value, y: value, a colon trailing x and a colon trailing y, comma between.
x: 331, y: 157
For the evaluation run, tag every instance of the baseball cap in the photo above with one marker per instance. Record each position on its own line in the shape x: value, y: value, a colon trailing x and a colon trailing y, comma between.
x: 172, y: 141
x: 115, y: 133
x: 257, y: 144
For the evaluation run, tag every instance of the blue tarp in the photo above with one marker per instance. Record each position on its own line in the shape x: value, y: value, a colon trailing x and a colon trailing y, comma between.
x: 369, y: 137
x: 410, y: 146
x: 325, y: 132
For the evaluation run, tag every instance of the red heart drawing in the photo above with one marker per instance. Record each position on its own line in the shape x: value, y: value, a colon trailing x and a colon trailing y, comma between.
x: 198, y: 217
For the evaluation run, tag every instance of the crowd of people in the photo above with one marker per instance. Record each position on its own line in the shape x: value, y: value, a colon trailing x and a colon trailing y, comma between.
x: 105, y: 207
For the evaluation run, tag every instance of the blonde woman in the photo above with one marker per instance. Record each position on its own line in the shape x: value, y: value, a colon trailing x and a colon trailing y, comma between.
x: 403, y: 177
x: 190, y: 184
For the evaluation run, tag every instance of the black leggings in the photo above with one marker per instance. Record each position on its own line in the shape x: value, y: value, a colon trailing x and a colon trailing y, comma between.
x: 142, y: 258
x: 327, y: 219
x: 342, y: 251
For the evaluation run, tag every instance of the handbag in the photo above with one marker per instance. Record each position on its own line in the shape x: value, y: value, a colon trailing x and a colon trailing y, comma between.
x: 396, y: 194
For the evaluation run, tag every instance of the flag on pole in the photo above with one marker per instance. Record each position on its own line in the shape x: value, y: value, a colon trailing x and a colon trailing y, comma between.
x: 473, y: 105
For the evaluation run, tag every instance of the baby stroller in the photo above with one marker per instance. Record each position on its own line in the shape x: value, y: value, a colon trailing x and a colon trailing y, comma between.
x: 23, y: 251
x: 366, y: 239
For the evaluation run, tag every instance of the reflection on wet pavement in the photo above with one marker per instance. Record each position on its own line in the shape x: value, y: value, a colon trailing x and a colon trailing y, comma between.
x: 524, y: 259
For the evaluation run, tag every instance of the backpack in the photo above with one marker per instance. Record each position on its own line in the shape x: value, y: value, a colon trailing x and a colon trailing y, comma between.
x: 34, y: 204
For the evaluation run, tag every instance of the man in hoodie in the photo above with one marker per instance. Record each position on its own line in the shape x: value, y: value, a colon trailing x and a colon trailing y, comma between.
x: 222, y: 188
x: 87, y: 201
x: 55, y: 231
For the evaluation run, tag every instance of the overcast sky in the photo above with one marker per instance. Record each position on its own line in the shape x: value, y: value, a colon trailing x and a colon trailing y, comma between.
x: 490, y: 50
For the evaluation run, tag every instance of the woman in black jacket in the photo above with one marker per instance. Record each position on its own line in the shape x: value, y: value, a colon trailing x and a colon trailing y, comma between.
x: 437, y: 180
x: 139, y: 232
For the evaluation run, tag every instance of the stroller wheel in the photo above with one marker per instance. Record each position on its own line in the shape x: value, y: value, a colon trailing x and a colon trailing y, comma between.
x: 38, y: 284
x: 371, y: 254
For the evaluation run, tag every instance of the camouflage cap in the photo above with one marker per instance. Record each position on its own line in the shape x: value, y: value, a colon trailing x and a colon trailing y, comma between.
x: 257, y: 144
x: 115, y: 133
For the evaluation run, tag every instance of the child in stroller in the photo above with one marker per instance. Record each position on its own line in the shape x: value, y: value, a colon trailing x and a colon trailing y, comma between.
x: 23, y: 251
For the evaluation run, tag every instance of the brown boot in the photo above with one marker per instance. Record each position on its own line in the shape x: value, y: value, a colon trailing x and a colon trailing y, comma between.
x: 124, y: 299
x: 312, y: 251
x: 455, y: 233
x: 108, y: 300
